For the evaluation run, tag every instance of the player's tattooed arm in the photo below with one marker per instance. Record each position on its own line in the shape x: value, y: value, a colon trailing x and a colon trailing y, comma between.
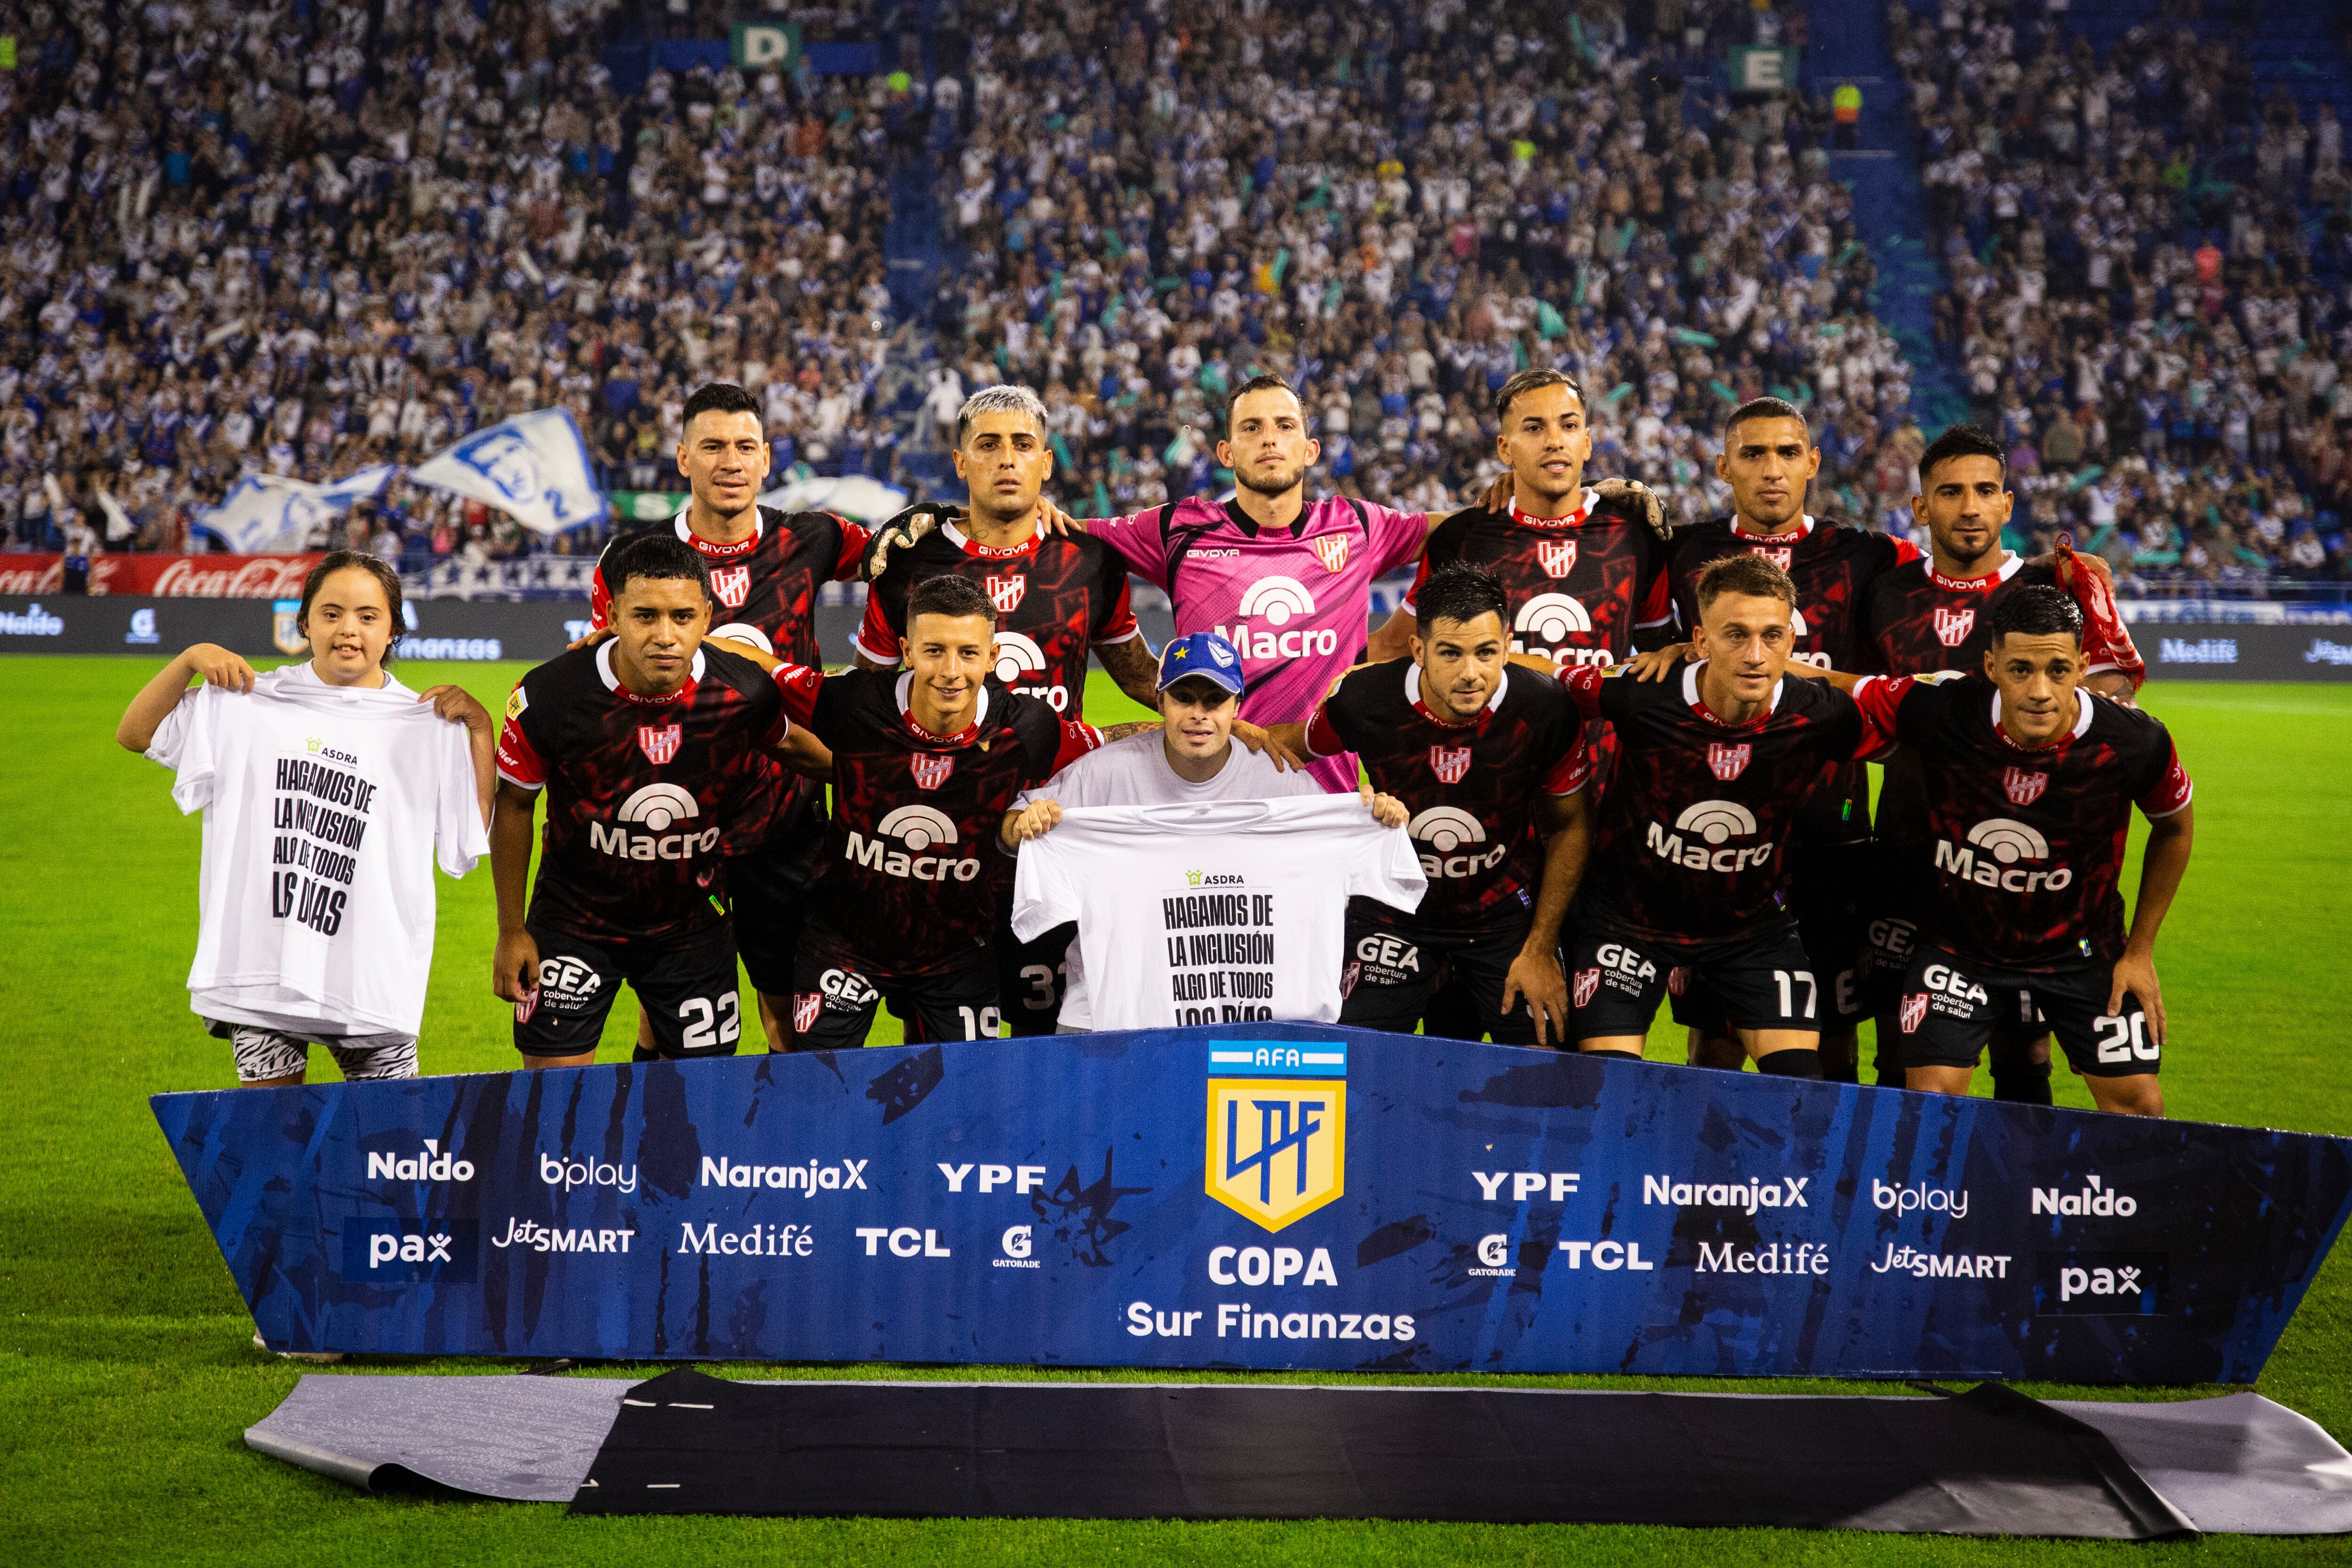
x: 1133, y: 667
x: 214, y: 663
x: 2162, y: 865
x: 514, y: 971
x: 1535, y: 973
x: 1132, y: 727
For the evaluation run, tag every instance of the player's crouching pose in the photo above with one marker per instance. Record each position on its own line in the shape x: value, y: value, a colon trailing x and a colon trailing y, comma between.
x: 1489, y: 761
x: 646, y: 747
x: 2030, y: 784
x: 1691, y: 875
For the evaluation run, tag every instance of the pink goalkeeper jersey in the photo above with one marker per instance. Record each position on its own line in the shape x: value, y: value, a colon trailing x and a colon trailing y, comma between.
x: 1295, y: 602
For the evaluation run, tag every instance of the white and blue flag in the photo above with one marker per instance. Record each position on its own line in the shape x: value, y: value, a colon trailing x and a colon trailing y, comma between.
x: 272, y: 515
x: 533, y: 467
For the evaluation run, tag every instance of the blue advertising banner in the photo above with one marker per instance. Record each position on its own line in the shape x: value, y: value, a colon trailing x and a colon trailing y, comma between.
x: 1260, y: 1196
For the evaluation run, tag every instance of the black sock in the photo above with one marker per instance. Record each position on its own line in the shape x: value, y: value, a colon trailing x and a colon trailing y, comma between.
x: 2022, y: 1083
x: 1847, y: 1069
x: 1791, y: 1064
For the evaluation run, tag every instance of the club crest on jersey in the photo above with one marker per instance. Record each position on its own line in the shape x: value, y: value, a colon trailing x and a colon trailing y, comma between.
x: 1911, y: 1012
x: 1005, y: 592
x: 2023, y: 788
x: 730, y: 585
x: 1588, y: 983
x: 1556, y: 556
x: 1450, y: 763
x: 1953, y: 626
x: 806, y: 1006
x: 659, y: 742
x: 1728, y: 763
x: 930, y: 769
x: 1331, y: 549
x: 1779, y: 556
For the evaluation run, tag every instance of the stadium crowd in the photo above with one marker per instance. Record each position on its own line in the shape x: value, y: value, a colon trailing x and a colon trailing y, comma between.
x: 2149, y: 267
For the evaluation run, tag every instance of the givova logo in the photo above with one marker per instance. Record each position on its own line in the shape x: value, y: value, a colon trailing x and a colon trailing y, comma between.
x: 658, y: 808
x: 918, y: 831
x: 1692, y: 843
x: 411, y: 1251
x: 1277, y: 1147
x: 1278, y: 601
x: 1446, y: 829
x: 1991, y: 856
x: 2100, y: 1284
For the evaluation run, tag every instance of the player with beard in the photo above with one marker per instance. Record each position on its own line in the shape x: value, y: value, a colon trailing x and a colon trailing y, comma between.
x: 1490, y: 762
x: 646, y: 747
x: 1935, y: 614
x: 925, y: 762
x: 766, y: 566
x: 2030, y: 784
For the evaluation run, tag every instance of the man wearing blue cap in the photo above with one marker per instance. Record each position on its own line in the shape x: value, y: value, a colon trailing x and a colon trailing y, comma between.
x: 1191, y: 759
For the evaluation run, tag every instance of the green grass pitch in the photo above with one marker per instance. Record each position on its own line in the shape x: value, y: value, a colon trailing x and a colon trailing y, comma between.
x: 126, y: 1375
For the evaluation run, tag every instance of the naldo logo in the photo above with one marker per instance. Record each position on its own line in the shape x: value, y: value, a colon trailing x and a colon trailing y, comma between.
x: 435, y: 1165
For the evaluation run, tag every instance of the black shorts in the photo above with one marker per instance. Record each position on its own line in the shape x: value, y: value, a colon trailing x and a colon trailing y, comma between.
x: 686, y: 987
x: 1826, y: 896
x: 835, y: 995
x: 1032, y: 977
x: 1394, y: 966
x: 1950, y: 1006
x: 1615, y: 981
x: 767, y: 890
x: 1895, y: 879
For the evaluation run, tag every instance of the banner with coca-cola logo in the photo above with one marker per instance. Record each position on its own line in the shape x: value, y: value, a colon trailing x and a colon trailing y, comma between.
x: 165, y: 576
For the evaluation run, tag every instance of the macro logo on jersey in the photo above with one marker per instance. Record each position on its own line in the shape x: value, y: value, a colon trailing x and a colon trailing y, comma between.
x: 1953, y: 626
x: 1990, y: 858
x: 917, y: 830
x: 1277, y: 1143
x: 1728, y: 763
x: 659, y: 742
x: 730, y: 585
x: 1446, y: 829
x: 1556, y: 556
x: 1331, y: 549
x: 1005, y: 592
x: 2023, y: 788
x: 1549, y: 619
x: 1277, y: 601
x: 1020, y: 661
x: 1450, y: 763
x: 656, y: 808
x: 1699, y: 830
x: 931, y: 771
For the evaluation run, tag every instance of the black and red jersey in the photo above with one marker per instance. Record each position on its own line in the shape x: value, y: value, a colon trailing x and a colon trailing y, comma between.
x: 905, y: 883
x: 1057, y: 598
x: 640, y: 791
x: 2028, y: 842
x: 1690, y: 843
x: 1578, y: 586
x: 1832, y: 566
x: 765, y: 587
x: 1474, y: 789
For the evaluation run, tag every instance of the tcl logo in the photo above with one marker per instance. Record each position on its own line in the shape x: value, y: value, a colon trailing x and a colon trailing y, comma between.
x: 904, y: 1241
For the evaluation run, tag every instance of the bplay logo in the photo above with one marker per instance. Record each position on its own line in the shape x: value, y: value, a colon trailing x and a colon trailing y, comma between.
x: 1445, y: 829
x: 807, y: 1178
x: 2100, y: 1284
x: 1015, y: 1246
x: 568, y: 1172
x: 435, y: 1165
x: 656, y: 808
x: 1708, y: 823
x: 917, y: 830
x: 1902, y: 1199
x: 411, y: 1251
x: 1278, y: 601
x: 1747, y: 1196
x: 2094, y: 1198
x: 1992, y: 856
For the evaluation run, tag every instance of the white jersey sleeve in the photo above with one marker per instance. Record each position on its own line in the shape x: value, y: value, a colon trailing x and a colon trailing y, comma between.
x: 459, y: 838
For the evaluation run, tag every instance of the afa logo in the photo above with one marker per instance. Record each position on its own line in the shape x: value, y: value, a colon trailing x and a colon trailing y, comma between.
x: 1277, y: 1134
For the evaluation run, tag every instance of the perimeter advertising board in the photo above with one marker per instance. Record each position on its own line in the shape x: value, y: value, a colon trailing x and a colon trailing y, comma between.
x: 1262, y: 1196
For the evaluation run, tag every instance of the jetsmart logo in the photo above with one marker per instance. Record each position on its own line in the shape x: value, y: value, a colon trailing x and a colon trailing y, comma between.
x: 1446, y: 829
x: 1788, y: 1192
x: 433, y: 1165
x: 1708, y: 823
x: 918, y: 831
x: 656, y: 808
x: 2093, y: 1199
x: 1990, y: 858
x: 1921, y: 1265
x: 808, y: 1179
x: 533, y: 1236
x: 1278, y: 601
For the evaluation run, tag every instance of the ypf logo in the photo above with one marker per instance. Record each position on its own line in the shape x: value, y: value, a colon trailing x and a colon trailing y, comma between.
x: 1278, y: 601
x: 1277, y: 1144
x: 1005, y: 594
x: 1953, y: 626
x: 2023, y: 788
x: 659, y: 742
x: 1550, y: 618
x: 1556, y: 556
x: 917, y: 830
x: 1450, y: 763
x: 730, y: 585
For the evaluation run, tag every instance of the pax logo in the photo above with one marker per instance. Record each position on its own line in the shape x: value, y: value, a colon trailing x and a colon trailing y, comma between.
x: 1556, y: 556
x: 1547, y: 620
x: 917, y: 830
x: 2023, y: 788
x: 931, y: 771
x: 1446, y: 829
x: 1701, y: 828
x: 730, y: 585
x: 1728, y: 763
x: 407, y: 1251
x: 1331, y: 549
x: 1953, y: 626
x: 1991, y: 857
x: 1450, y: 763
x: 1005, y: 592
x: 656, y: 808
x: 2100, y: 1284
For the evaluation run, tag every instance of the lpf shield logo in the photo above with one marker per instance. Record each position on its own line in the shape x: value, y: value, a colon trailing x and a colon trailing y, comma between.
x: 1277, y: 1143
x: 1331, y: 549
x: 732, y: 585
x: 1588, y: 984
x: 1005, y: 592
x: 1779, y: 555
x: 930, y: 769
x: 2023, y: 788
x: 1911, y: 1012
x: 1953, y: 626
x: 1450, y: 763
x: 1728, y: 763
x: 1556, y: 556
x: 659, y: 742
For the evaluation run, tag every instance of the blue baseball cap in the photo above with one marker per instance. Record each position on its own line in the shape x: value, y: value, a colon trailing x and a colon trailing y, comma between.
x: 1204, y: 653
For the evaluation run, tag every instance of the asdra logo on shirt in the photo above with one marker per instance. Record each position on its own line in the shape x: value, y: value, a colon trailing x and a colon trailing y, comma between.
x: 1278, y: 601
x: 655, y: 808
x: 1695, y: 841
x: 919, y: 829
x: 1990, y: 858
